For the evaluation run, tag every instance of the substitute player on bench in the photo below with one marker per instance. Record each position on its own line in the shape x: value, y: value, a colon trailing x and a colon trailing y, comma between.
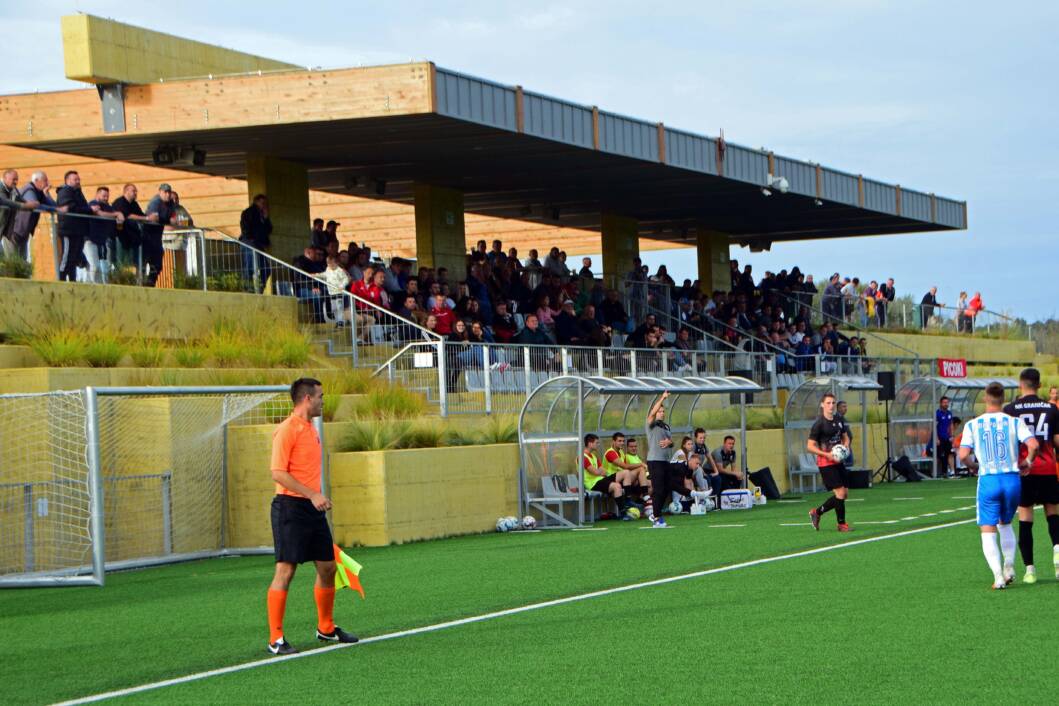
x: 828, y: 432
x: 1040, y: 486
x: 994, y: 439
x: 299, y: 522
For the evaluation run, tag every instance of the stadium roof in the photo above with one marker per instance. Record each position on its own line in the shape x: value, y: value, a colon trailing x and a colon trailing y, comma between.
x: 376, y: 131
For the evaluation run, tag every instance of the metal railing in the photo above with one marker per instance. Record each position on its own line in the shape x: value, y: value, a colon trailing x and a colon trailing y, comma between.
x: 906, y: 315
x: 476, y: 378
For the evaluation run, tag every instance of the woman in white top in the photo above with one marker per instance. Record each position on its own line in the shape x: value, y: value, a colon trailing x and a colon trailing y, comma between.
x: 680, y: 467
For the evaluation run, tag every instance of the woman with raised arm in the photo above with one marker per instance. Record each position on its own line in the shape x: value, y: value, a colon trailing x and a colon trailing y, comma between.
x: 659, y: 441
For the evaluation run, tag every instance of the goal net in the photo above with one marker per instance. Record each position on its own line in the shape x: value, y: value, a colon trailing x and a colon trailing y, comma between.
x: 95, y: 480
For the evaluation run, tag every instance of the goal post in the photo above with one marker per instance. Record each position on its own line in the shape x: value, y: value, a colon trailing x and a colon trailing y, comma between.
x: 111, y: 478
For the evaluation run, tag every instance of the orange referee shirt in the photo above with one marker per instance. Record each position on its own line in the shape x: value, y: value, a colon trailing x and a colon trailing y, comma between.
x: 296, y: 449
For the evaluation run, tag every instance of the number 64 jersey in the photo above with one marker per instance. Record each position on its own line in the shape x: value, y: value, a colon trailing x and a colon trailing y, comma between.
x: 1042, y: 419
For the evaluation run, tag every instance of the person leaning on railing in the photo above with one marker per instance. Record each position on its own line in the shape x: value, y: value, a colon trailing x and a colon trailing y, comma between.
x: 102, y: 231
x: 160, y: 213
x: 20, y: 210
x: 73, y: 230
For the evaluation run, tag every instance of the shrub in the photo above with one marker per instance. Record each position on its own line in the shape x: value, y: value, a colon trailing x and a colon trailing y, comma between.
x: 499, y: 429
x: 396, y: 402
x: 147, y: 353
x: 356, y: 381
x: 59, y: 348
x: 375, y: 435
x: 104, y: 351
x: 189, y: 356
x: 123, y: 275
x: 16, y: 267
x: 228, y: 282
x: 182, y: 280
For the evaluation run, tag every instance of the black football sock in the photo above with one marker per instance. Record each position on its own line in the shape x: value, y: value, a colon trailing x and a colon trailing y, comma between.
x: 840, y: 511
x: 1053, y: 528
x: 828, y: 504
x: 1026, y: 542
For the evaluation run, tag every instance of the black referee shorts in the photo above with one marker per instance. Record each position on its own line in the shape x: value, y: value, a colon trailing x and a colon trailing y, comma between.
x: 300, y: 532
x: 1038, y: 490
x: 834, y: 476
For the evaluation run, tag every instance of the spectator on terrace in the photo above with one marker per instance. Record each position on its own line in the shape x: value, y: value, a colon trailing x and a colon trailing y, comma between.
x: 478, y: 253
x: 504, y: 325
x: 469, y: 309
x: 545, y: 313
x: 927, y: 306
x: 849, y: 297
x: 871, y: 297
x: 683, y: 349
x: 746, y: 281
x: 586, y: 268
x: 496, y: 256
x: 331, y: 234
x: 533, y: 262
x: 307, y: 262
x: 513, y: 261
x: 973, y: 308
x: 102, y: 231
x: 337, y: 282
x: 24, y: 222
x: 554, y: 266
x: 638, y: 338
x: 73, y: 229
x: 255, y: 230
x: 832, y: 301
x: 567, y: 330
x: 888, y: 293
x: 592, y: 332
x: 409, y: 309
x: 1053, y: 396
x: 8, y: 213
x: 131, y: 234
x: 963, y: 317
x: 662, y: 277
x: 442, y: 314
x: 181, y: 214
x: 724, y: 458
x: 532, y: 333
x: 317, y: 236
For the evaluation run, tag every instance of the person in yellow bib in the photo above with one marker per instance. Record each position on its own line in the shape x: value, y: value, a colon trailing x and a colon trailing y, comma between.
x: 632, y: 476
x: 596, y: 478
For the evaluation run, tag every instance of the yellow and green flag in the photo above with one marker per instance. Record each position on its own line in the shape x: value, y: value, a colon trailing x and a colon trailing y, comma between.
x: 348, y: 574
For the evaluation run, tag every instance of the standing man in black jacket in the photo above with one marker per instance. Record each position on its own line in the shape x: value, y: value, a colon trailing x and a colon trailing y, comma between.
x: 254, y: 230
x: 161, y: 212
x: 34, y: 195
x: 73, y: 228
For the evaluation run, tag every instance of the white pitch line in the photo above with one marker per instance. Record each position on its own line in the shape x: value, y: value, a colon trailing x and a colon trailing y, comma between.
x: 653, y: 527
x: 796, y: 524
x: 591, y: 529
x: 964, y: 497
x: 504, y: 613
x: 791, y: 501
x: 726, y: 525
x: 908, y: 498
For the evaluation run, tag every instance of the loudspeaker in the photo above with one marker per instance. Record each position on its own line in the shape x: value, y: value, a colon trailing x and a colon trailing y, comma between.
x: 858, y: 479
x: 764, y: 480
x: 886, y: 381
x: 749, y: 375
x: 904, y: 467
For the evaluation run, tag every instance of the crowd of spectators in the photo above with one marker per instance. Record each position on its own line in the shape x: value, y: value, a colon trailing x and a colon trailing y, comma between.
x: 93, y: 235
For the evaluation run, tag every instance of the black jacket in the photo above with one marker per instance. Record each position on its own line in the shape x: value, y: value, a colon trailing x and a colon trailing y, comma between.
x: 255, y: 228
x: 72, y: 226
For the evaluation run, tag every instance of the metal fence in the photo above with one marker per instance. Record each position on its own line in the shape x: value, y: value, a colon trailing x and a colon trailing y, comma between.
x: 476, y: 378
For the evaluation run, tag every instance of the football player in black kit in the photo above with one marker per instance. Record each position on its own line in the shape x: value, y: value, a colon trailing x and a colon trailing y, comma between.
x: 828, y: 432
x: 1041, y: 485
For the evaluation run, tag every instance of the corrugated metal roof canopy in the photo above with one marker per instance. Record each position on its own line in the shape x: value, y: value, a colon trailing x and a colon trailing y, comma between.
x: 522, y: 155
x: 968, y: 383
x: 655, y: 385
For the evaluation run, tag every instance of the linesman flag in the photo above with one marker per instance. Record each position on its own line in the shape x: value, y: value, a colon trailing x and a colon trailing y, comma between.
x: 348, y: 573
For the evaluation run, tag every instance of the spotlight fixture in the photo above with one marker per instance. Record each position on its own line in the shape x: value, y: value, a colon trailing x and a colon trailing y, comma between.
x: 818, y: 202
x: 778, y: 183
x: 765, y: 191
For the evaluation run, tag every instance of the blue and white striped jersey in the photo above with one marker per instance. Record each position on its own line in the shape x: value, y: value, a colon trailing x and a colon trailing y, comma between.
x: 995, y: 439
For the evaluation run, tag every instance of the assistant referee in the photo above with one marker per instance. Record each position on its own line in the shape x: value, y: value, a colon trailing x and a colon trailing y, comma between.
x: 299, y: 522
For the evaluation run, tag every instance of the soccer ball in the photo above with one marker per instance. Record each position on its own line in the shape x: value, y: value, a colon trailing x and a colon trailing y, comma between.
x: 506, y: 524
x: 529, y: 522
x: 633, y: 513
x: 675, y: 507
x: 840, y: 453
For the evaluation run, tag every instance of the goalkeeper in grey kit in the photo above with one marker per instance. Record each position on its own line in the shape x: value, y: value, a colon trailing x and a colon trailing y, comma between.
x: 829, y: 432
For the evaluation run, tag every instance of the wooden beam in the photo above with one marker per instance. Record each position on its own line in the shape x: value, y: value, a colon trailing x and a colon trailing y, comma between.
x: 819, y: 182
x: 595, y: 128
x: 242, y: 101
x: 661, y: 143
x: 860, y: 190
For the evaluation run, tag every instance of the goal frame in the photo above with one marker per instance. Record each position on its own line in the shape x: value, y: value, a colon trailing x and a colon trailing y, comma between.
x: 95, y: 574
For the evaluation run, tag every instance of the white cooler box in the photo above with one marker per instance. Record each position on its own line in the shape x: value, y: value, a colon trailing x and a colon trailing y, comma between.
x: 739, y: 499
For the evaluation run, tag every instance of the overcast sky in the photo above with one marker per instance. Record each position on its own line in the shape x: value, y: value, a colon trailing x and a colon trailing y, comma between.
x: 958, y: 98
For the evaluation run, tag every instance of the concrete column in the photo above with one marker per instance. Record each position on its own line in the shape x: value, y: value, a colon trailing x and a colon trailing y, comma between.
x: 286, y: 184
x: 621, y: 245
x: 441, y: 239
x: 714, y: 267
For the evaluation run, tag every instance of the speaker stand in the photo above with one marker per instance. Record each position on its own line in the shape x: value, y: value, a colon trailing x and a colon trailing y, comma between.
x: 884, y: 473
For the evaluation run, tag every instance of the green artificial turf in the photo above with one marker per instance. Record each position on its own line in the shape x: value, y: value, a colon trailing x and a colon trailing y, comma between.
x: 842, y: 609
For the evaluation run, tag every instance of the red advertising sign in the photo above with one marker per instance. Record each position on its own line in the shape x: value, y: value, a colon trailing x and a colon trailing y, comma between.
x: 952, y: 367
